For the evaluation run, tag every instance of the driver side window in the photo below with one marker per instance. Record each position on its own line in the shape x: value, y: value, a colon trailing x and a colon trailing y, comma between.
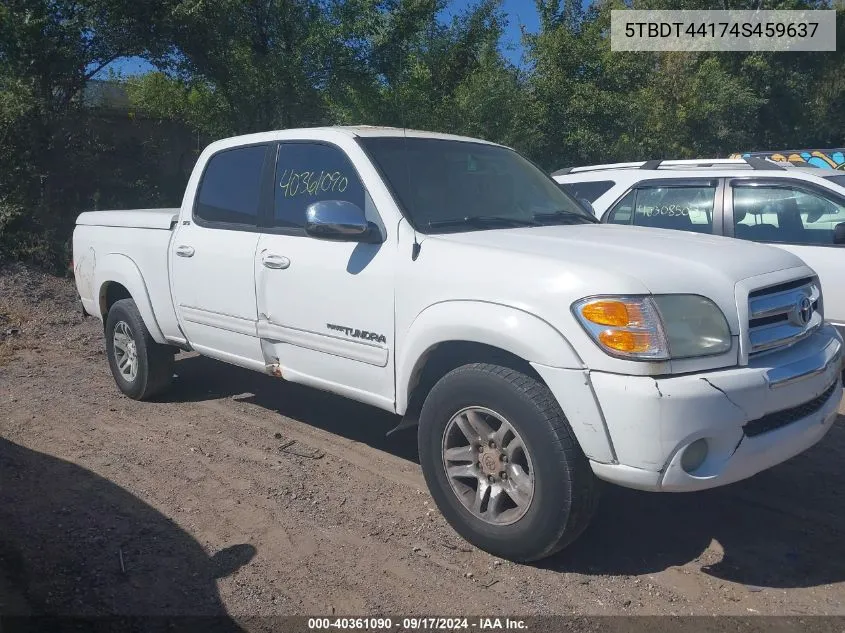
x: 684, y: 208
x: 308, y: 173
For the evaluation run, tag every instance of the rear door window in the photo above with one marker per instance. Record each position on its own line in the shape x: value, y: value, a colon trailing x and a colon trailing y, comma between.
x: 785, y: 214
x: 230, y: 189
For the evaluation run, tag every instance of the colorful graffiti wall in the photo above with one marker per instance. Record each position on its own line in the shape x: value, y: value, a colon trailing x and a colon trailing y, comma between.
x: 824, y: 158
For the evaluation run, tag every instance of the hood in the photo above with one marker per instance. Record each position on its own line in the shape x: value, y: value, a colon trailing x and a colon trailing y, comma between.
x: 543, y: 268
x: 663, y: 260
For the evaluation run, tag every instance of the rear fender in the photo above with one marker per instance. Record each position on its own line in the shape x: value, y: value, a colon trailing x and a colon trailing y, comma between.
x: 118, y: 268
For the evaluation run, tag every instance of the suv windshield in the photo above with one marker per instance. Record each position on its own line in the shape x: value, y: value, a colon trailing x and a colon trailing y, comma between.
x: 447, y: 186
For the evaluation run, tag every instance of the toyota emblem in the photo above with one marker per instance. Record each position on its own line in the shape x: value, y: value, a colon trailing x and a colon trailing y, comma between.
x: 805, y: 310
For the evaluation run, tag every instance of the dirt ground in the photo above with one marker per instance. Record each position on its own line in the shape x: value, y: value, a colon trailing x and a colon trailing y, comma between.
x: 239, y: 494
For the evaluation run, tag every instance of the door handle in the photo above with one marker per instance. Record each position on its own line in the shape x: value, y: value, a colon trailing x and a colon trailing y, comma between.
x: 185, y: 251
x: 274, y: 261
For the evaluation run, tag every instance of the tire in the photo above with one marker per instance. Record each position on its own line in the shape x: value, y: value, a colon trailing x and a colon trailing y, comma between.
x: 564, y: 492
x: 154, y: 362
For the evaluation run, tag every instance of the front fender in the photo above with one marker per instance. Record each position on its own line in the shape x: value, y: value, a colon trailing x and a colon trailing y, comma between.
x: 503, y: 327
x: 118, y: 268
x: 522, y: 334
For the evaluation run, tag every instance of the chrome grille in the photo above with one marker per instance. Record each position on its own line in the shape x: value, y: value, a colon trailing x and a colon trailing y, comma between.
x: 784, y: 314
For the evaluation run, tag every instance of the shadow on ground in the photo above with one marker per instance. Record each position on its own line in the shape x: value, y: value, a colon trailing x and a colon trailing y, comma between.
x: 74, y: 544
x: 202, y: 379
x: 783, y: 528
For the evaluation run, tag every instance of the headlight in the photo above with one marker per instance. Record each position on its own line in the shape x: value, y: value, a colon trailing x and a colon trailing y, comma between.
x: 694, y: 325
x: 655, y: 327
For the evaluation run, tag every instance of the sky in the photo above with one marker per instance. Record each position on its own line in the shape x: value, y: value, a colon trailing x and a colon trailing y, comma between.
x: 518, y: 12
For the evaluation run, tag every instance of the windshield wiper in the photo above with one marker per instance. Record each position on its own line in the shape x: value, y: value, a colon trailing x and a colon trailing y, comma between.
x: 563, y: 214
x: 483, y: 221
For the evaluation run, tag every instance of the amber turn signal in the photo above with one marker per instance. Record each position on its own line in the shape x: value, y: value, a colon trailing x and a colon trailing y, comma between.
x: 613, y: 312
x: 626, y: 327
x: 627, y: 341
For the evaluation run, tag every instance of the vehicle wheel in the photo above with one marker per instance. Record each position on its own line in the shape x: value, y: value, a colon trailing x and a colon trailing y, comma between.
x: 502, y: 463
x: 141, y: 367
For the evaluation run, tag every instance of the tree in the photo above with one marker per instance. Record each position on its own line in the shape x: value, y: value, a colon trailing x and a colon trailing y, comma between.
x: 196, y: 103
x: 604, y: 106
x: 49, y: 50
x: 416, y: 71
x: 235, y: 66
x: 264, y: 60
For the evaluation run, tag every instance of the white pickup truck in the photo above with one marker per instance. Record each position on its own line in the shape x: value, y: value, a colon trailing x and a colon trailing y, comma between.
x: 450, y: 281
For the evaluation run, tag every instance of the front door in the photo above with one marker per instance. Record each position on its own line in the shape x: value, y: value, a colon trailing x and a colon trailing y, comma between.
x: 325, y: 308
x: 212, y: 257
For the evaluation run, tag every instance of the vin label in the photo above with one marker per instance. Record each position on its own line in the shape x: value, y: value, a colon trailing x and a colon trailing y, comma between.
x: 638, y: 30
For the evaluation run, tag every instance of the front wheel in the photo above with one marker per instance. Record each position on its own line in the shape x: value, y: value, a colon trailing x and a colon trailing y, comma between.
x: 502, y: 463
x: 141, y: 367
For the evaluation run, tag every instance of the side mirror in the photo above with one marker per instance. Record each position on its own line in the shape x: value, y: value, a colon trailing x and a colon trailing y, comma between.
x: 587, y: 205
x: 839, y: 233
x: 341, y: 221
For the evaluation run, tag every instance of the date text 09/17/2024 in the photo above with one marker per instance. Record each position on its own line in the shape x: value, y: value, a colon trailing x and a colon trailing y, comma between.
x: 417, y: 623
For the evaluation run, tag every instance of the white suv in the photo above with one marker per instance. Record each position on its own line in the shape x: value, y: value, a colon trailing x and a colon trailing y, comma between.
x: 799, y: 209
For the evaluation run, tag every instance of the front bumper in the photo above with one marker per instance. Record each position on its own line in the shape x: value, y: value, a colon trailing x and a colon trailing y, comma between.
x: 751, y: 417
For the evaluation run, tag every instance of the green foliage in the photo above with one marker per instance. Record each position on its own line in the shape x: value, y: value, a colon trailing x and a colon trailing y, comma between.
x: 197, y: 104
x: 235, y: 66
x: 601, y: 106
x: 266, y: 59
x: 56, y: 157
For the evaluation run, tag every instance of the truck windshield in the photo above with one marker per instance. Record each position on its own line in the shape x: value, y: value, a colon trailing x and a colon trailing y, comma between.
x: 449, y: 186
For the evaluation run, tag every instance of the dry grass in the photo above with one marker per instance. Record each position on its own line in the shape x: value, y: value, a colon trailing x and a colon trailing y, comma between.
x: 11, y: 325
x: 36, y: 309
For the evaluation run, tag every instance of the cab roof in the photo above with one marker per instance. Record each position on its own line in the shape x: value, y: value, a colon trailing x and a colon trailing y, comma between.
x: 379, y: 130
x: 329, y: 133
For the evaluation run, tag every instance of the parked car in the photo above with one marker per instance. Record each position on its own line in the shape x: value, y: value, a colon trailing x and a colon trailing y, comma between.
x: 450, y: 281
x: 801, y: 210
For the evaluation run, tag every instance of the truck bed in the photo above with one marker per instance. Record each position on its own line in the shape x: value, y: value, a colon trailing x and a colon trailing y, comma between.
x: 131, y: 218
x: 128, y: 247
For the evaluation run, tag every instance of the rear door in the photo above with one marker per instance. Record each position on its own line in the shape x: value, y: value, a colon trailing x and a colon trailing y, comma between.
x: 213, y: 254
x: 797, y: 216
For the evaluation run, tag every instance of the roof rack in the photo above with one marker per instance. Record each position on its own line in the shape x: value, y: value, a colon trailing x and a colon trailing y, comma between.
x: 763, y: 163
x: 753, y: 162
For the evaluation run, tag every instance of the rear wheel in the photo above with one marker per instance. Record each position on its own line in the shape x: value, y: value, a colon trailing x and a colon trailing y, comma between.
x: 502, y: 463
x: 141, y: 367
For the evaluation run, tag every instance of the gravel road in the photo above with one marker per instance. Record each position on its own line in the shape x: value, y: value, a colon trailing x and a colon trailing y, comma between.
x: 242, y: 495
